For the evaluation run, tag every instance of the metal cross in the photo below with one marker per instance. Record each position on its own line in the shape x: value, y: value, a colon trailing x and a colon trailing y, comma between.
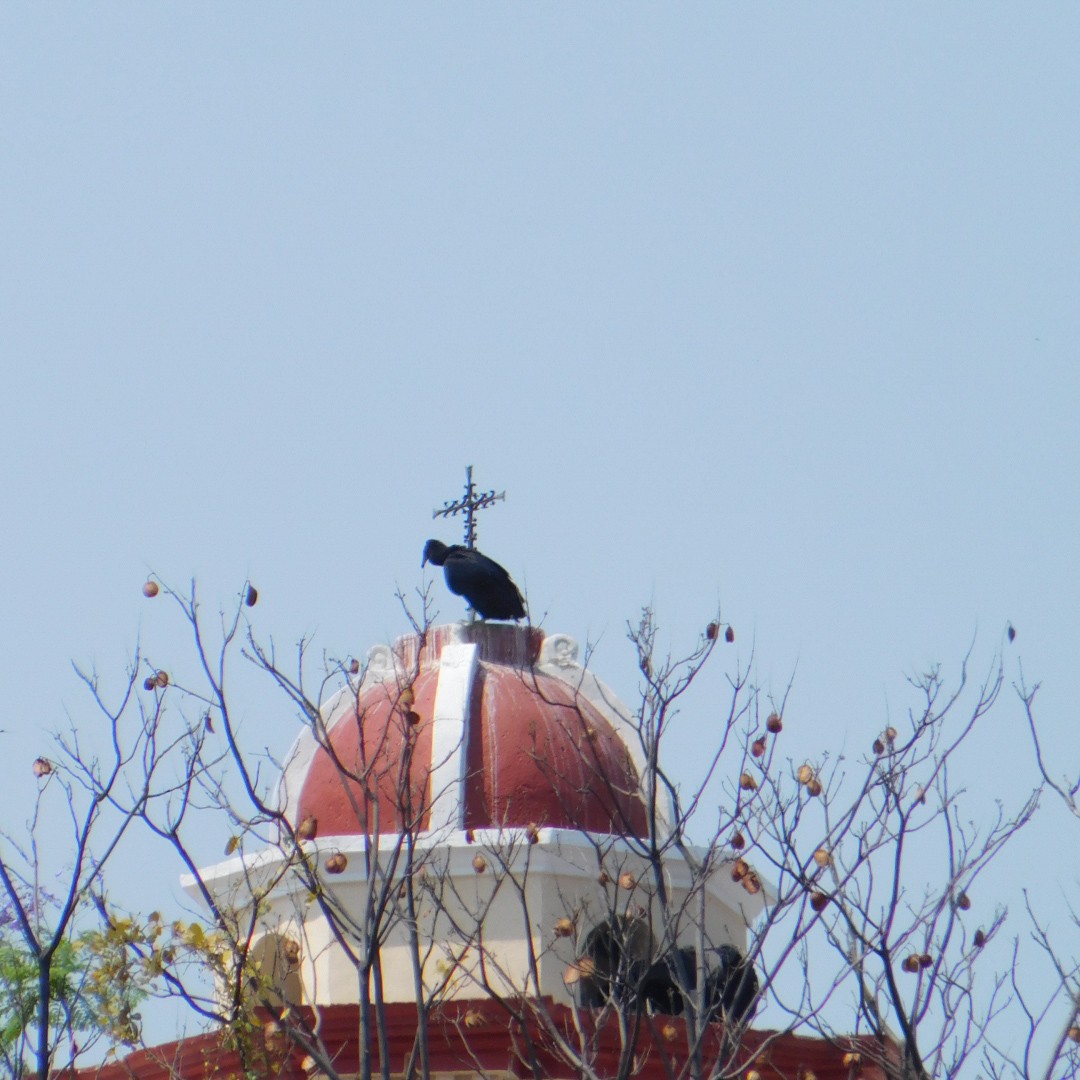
x: 470, y: 503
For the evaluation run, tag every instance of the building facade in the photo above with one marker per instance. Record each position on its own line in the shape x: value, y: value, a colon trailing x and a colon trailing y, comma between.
x: 478, y: 873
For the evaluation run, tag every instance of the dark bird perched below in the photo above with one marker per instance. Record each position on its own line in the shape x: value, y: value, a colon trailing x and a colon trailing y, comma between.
x: 483, y: 582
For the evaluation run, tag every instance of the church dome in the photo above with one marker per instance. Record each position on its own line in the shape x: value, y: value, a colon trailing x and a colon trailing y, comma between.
x: 476, y: 726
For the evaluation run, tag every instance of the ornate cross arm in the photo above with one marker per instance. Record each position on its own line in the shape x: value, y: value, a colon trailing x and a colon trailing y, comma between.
x: 469, y: 503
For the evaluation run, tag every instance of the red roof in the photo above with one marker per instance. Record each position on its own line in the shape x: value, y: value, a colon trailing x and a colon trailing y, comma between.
x: 475, y: 1037
x: 536, y: 752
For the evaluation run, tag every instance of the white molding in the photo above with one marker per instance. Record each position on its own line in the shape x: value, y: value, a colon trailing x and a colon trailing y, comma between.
x: 450, y: 736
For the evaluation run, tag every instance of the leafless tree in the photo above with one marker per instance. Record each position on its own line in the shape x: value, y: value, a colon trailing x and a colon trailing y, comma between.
x: 255, y: 973
x: 857, y: 873
x: 874, y: 862
x: 86, y: 800
x: 1050, y: 1004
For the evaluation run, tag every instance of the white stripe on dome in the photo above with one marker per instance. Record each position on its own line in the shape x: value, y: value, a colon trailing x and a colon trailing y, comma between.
x: 450, y: 735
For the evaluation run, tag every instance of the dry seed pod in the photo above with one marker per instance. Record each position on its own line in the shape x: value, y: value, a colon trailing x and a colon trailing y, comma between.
x: 963, y: 902
x: 604, y: 878
x: 564, y: 927
x: 879, y: 747
x: 473, y: 1018
x: 627, y: 881
x: 757, y: 747
x: 926, y: 960
x: 819, y: 901
x: 729, y: 634
x: 150, y: 589
x: 571, y: 975
x: 277, y: 1043
x: 42, y: 767
x: 805, y: 774
x: 747, y: 782
x: 980, y: 939
x: 670, y: 1032
x: 738, y: 841
x: 813, y: 787
x: 774, y: 725
x: 1074, y: 1033
x: 252, y: 596
x: 890, y: 734
x: 290, y: 950
x: 308, y: 828
x: 162, y: 679
x: 911, y: 963
x: 740, y: 869
x: 412, y: 718
x: 711, y: 631
x: 354, y: 667
x: 852, y: 1059
x: 336, y: 863
x: 752, y: 883
x: 532, y: 833
x: 407, y: 698
x: 822, y: 857
x: 149, y: 682
x: 479, y: 863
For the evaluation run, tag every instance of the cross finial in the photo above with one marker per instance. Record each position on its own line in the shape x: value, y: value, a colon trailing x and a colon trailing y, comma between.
x: 470, y: 503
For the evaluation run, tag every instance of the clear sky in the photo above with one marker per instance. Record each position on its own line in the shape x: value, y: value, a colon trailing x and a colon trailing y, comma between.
x: 770, y: 306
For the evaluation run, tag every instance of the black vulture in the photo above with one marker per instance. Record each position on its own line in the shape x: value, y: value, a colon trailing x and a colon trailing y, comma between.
x: 620, y: 971
x: 731, y: 988
x: 483, y: 582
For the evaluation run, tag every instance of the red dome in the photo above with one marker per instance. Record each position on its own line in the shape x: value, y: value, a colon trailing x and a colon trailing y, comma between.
x: 514, y: 745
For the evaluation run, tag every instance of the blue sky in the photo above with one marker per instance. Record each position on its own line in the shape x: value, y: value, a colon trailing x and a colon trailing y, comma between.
x: 770, y: 306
